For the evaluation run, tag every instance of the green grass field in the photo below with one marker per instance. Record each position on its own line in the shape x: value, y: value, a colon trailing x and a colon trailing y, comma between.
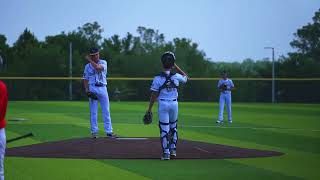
x: 290, y: 128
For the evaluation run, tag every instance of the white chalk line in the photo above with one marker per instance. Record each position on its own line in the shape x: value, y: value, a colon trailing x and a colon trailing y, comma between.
x: 186, y: 126
x: 253, y: 128
x: 200, y: 149
x: 129, y: 138
x: 248, y: 127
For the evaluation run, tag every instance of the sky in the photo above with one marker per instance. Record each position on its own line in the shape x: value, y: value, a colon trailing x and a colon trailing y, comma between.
x: 228, y: 30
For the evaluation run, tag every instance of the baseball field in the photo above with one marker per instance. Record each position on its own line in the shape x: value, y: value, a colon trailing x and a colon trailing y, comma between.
x: 293, y: 129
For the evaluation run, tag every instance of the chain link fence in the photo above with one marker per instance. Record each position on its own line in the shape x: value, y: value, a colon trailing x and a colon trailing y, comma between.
x: 137, y: 89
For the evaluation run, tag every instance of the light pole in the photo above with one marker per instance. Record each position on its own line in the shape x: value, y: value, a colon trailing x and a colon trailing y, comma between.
x: 70, y: 71
x: 273, y: 75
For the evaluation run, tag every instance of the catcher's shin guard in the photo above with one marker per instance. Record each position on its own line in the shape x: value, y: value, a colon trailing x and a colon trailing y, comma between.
x: 164, y: 136
x: 173, y: 135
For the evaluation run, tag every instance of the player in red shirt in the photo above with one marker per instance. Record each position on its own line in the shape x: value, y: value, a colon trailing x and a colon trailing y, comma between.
x: 3, y: 104
x: 3, y: 109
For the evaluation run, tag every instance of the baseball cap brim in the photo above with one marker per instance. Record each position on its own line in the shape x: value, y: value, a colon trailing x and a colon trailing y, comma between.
x: 91, y: 54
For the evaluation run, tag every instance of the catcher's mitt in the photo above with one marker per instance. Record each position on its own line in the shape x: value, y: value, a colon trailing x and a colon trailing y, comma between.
x: 147, y: 118
x: 92, y: 95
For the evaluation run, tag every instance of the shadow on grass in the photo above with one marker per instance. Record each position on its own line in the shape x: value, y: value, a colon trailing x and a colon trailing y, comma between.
x: 264, y: 137
x: 194, y: 169
x: 50, y: 132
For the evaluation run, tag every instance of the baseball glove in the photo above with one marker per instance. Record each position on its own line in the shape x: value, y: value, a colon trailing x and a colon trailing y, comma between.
x: 147, y: 118
x: 92, y: 95
x: 224, y: 87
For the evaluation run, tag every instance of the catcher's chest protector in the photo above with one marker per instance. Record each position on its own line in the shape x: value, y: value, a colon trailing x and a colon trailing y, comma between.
x: 168, y: 84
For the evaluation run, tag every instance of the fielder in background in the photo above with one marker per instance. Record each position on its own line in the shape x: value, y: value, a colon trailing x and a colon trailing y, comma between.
x: 164, y: 88
x: 95, y: 82
x: 3, y: 109
x: 225, y: 86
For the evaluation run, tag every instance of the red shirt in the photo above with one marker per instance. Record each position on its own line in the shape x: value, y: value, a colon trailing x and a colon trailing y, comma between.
x: 3, y: 104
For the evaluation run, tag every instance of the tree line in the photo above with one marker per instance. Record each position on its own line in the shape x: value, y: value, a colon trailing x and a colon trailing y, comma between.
x: 139, y: 56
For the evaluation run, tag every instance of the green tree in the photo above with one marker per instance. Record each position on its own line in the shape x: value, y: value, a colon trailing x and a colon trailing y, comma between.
x: 307, y: 39
x: 4, y: 50
x: 91, y: 32
x: 305, y: 62
x: 3, y: 42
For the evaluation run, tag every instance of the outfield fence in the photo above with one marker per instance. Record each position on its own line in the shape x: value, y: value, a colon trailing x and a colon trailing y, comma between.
x: 304, y: 90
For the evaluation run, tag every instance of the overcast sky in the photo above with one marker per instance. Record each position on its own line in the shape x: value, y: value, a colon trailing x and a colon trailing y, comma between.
x: 228, y: 30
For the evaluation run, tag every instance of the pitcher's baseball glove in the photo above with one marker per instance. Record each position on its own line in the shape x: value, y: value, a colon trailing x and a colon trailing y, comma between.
x: 224, y: 87
x: 147, y: 118
x: 92, y: 95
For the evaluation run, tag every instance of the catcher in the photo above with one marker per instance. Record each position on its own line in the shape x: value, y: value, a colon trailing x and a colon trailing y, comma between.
x: 225, y: 86
x: 164, y: 88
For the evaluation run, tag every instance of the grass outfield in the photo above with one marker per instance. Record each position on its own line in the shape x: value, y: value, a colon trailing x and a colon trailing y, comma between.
x: 290, y: 128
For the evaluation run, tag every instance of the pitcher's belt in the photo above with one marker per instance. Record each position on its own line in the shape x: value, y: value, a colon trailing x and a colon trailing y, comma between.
x: 99, y: 85
x: 168, y: 99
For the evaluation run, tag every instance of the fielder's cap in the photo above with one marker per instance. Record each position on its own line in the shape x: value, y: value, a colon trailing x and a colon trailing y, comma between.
x: 93, y: 51
x: 224, y: 72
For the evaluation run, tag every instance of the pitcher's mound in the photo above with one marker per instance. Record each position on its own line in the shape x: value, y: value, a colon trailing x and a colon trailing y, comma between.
x: 132, y: 148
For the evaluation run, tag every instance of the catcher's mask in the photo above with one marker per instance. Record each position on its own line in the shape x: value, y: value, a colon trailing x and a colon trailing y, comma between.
x: 168, y: 59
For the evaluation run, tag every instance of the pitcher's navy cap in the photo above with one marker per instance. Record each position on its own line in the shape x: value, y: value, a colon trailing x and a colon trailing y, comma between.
x: 93, y: 51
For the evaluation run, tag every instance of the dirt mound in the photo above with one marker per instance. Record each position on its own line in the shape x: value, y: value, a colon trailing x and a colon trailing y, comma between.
x: 132, y: 148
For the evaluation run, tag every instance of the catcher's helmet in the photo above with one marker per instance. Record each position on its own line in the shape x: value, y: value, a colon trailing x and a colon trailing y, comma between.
x: 168, y: 59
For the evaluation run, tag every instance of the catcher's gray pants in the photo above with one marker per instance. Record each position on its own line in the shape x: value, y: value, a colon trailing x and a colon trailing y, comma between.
x: 225, y: 98
x: 103, y: 98
x: 168, y: 118
x: 2, y: 151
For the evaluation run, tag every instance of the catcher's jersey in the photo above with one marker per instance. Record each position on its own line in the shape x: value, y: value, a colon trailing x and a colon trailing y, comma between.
x: 95, y: 77
x: 228, y: 83
x: 167, y: 93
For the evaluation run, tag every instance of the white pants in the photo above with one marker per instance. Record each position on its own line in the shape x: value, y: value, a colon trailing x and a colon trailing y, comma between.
x: 168, y: 118
x: 225, y: 98
x: 2, y: 151
x: 103, y: 98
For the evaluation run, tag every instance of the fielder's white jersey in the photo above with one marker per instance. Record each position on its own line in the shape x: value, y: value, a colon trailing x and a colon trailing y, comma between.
x: 94, y: 76
x: 167, y: 93
x: 228, y: 83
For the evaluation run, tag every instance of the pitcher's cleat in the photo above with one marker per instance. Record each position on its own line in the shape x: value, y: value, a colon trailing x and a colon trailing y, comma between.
x: 94, y: 136
x: 165, y: 156
x: 111, y: 135
x: 173, y: 153
x: 230, y: 122
x: 219, y: 122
